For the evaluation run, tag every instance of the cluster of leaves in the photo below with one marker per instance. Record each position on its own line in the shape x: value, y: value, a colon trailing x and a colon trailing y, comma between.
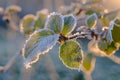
x: 30, y: 22
x: 44, y: 30
x: 41, y: 41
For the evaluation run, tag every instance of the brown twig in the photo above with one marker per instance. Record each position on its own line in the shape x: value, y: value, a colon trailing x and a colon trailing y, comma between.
x: 114, y: 58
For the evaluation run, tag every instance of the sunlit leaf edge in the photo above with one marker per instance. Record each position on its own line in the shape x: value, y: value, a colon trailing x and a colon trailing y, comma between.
x: 68, y: 66
x: 30, y: 16
x: 48, y: 19
x: 73, y: 27
x: 110, y: 28
x: 94, y: 14
x: 27, y: 63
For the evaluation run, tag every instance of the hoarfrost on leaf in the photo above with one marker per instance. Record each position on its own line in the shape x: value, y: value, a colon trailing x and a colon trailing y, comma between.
x: 91, y: 20
x: 55, y: 22
x: 41, y: 17
x: 40, y: 42
x: 27, y: 24
x: 115, y: 30
x: 71, y: 55
x: 69, y: 24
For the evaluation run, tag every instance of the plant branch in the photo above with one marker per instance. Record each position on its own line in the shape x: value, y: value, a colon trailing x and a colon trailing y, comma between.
x: 87, y: 76
x: 88, y: 33
x: 10, y: 63
x: 114, y: 58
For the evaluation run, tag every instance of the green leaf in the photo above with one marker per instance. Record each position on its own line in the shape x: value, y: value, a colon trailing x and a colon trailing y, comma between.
x: 40, y: 42
x: 71, y: 54
x: 89, y: 12
x: 88, y: 62
x: 27, y: 24
x: 13, y: 9
x: 106, y: 47
x: 40, y: 19
x: 55, y: 22
x: 91, y: 20
x: 69, y: 24
x: 115, y: 30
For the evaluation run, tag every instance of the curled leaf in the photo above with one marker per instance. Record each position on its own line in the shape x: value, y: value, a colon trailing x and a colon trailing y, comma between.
x: 27, y: 24
x: 69, y: 24
x: 55, y: 22
x: 13, y: 9
x: 115, y: 30
x: 71, y: 54
x: 91, y: 20
x: 40, y: 42
x: 40, y: 19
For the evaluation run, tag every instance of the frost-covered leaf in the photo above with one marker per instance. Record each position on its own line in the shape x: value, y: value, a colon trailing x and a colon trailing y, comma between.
x: 71, y: 54
x: 91, y: 20
x: 69, y: 24
x: 55, y: 22
x: 40, y: 19
x: 88, y: 62
x: 40, y: 42
x: 107, y: 48
x: 27, y: 24
x: 115, y: 30
x: 13, y: 9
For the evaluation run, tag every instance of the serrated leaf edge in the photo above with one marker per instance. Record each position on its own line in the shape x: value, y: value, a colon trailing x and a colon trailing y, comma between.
x: 51, y: 14
x: 27, y: 63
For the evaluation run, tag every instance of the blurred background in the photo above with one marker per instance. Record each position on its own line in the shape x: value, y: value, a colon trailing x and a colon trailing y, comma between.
x: 49, y: 67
